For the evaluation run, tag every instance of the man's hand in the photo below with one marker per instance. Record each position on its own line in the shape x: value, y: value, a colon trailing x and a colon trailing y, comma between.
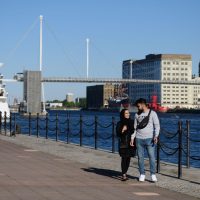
x: 132, y: 143
x: 155, y: 140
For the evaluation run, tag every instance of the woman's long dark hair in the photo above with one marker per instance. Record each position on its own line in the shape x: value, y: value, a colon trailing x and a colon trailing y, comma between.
x: 124, y: 120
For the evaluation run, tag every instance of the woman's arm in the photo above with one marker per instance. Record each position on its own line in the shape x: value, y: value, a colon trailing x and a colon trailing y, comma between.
x: 119, y: 129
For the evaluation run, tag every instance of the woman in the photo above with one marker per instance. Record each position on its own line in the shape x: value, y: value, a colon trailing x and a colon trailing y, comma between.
x: 124, y: 129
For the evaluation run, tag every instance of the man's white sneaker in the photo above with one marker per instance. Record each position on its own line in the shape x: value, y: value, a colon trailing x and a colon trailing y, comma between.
x: 153, y: 178
x: 142, y: 178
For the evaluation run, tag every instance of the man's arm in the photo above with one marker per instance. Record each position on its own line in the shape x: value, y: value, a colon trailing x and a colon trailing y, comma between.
x: 134, y: 133
x: 156, y: 124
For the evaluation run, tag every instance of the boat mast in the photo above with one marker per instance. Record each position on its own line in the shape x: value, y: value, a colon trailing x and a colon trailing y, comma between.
x: 42, y: 86
x: 87, y: 41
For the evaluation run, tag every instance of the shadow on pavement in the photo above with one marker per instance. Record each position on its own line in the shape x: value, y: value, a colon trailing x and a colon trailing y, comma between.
x: 107, y: 172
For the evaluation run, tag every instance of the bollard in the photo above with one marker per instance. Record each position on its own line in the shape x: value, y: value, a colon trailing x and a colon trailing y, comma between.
x: 37, y: 120
x: 113, y: 135
x: 95, y: 132
x: 47, y: 121
x: 158, y: 156
x: 5, y: 123
x: 188, y: 143
x: 11, y: 125
x: 0, y: 122
x: 180, y: 150
x: 29, y: 124
x: 81, y: 131
x: 56, y: 126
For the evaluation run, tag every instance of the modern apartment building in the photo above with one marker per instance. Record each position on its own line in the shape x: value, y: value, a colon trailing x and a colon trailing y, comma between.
x: 162, y: 67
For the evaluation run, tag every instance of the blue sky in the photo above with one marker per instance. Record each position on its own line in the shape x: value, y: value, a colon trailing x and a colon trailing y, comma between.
x: 118, y: 30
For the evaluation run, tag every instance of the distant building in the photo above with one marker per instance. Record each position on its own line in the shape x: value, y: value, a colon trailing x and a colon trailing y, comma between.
x: 98, y: 95
x: 176, y: 67
x: 70, y: 97
x: 32, y: 91
x: 55, y: 105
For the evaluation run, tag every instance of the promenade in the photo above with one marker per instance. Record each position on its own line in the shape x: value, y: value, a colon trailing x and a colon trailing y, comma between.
x: 38, y: 169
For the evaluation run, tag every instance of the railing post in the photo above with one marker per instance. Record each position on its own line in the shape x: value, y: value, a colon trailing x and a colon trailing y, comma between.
x: 113, y: 134
x: 158, y: 155
x: 47, y: 121
x: 5, y: 123
x: 37, y: 125
x: 68, y: 128
x: 1, y: 122
x: 95, y: 132
x: 81, y: 131
x: 188, y: 143
x: 180, y: 150
x: 10, y: 125
x: 56, y: 127
x: 15, y: 125
x: 29, y: 124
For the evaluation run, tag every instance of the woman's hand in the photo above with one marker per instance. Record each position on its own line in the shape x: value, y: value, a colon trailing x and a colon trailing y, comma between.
x: 132, y: 143
x: 124, y: 129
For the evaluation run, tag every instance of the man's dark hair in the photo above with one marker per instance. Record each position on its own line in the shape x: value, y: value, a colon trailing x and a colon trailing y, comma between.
x: 141, y: 101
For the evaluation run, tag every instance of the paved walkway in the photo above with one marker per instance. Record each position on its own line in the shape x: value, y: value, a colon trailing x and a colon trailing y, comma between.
x: 27, y: 172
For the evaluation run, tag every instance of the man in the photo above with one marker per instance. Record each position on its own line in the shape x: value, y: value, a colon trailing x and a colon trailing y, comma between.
x: 147, y: 128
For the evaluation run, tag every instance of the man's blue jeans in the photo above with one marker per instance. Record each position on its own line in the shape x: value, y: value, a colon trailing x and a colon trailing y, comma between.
x: 147, y: 144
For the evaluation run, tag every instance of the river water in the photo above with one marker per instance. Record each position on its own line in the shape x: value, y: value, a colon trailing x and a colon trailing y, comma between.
x: 70, y: 130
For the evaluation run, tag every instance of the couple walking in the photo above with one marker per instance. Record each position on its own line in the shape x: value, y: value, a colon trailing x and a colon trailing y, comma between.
x: 138, y: 134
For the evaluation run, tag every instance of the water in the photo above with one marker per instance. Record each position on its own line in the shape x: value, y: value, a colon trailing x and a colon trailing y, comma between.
x: 168, y: 136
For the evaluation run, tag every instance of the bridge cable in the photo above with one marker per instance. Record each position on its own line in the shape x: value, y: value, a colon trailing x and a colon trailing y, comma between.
x: 61, y: 47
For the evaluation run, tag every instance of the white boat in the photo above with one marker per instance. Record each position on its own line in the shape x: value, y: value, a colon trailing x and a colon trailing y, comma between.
x: 4, y: 108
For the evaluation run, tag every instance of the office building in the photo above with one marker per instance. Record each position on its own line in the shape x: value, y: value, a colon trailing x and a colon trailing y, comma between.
x: 176, y: 67
x: 70, y: 97
x: 98, y: 95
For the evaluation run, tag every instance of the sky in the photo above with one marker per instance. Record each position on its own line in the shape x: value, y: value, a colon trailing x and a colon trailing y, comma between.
x: 118, y: 30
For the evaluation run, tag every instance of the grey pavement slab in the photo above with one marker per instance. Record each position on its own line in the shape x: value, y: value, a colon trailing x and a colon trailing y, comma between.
x: 33, y: 168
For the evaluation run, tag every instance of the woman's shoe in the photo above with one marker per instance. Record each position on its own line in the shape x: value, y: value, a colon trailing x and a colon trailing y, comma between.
x: 124, y: 178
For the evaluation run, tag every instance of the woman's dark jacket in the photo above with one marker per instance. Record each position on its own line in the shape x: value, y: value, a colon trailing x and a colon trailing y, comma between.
x: 125, y: 150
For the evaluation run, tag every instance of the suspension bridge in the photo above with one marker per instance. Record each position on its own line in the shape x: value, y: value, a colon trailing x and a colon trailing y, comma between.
x: 105, y: 80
